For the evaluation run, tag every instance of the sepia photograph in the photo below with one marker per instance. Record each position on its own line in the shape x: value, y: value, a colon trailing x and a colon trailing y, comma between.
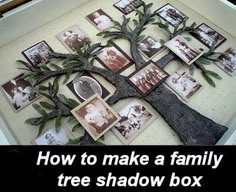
x: 183, y: 84
x: 114, y: 59
x: 18, y: 92
x: 227, y: 62
x: 96, y: 116
x: 134, y: 118
x: 128, y: 6
x: 208, y: 36
x: 172, y: 15
x: 86, y: 86
x: 147, y: 78
x: 38, y: 53
x: 184, y: 49
x: 53, y: 137
x: 150, y: 47
x: 100, y: 19
x: 72, y: 38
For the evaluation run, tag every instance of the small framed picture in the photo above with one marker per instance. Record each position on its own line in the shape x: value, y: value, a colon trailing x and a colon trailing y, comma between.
x: 228, y: 61
x: 100, y: 20
x: 184, y: 49
x: 208, y: 36
x: 96, y: 116
x: 147, y: 78
x: 38, y: 53
x: 172, y: 15
x: 18, y: 92
x: 53, y: 137
x: 114, y: 59
x: 183, y: 84
x: 72, y: 38
x: 135, y: 117
x: 150, y: 47
x: 128, y: 6
x: 86, y: 86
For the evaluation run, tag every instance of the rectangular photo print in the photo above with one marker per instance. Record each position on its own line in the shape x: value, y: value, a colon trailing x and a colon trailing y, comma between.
x: 38, y: 53
x: 208, y: 36
x: 172, y: 15
x: 96, y: 116
x: 18, y: 92
x: 100, y: 20
x: 147, y: 78
x: 183, y: 84
x: 53, y: 137
x: 86, y: 86
x: 227, y: 62
x: 150, y: 47
x: 128, y: 6
x: 114, y: 59
x: 135, y: 117
x: 72, y: 38
x: 184, y: 49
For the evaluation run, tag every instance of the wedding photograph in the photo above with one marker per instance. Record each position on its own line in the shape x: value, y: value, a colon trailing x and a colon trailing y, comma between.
x: 96, y: 116
x: 38, y: 53
x: 128, y: 6
x: 184, y: 49
x: 147, y: 78
x: 135, y: 117
x: 72, y: 38
x: 183, y: 84
x: 86, y: 86
x: 208, y: 36
x: 18, y: 92
x: 114, y: 59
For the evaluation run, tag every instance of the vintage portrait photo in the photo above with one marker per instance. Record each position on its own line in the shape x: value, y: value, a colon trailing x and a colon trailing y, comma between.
x: 100, y: 19
x: 38, y: 53
x: 86, y: 86
x: 18, y: 92
x: 228, y: 61
x: 185, y: 50
x: 147, y: 78
x: 171, y: 15
x: 127, y: 6
x: 96, y: 116
x: 208, y: 36
x: 135, y: 117
x: 149, y: 47
x: 72, y: 38
x: 53, y: 137
x: 114, y: 59
x: 183, y: 84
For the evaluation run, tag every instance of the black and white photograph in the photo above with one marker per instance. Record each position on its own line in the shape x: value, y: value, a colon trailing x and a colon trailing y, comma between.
x: 114, y: 59
x: 135, y: 117
x: 184, y: 49
x: 184, y: 84
x: 208, y: 36
x: 38, y: 53
x: 227, y: 61
x: 147, y: 78
x: 150, y: 47
x: 96, y: 116
x: 18, y: 92
x: 86, y: 86
x: 53, y: 137
x: 172, y: 15
x: 72, y: 38
x: 100, y: 19
x: 128, y: 6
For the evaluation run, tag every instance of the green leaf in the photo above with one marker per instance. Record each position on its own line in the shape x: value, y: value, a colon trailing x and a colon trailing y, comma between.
x: 77, y: 126
x: 46, y: 105
x: 77, y: 77
x: 141, y: 37
x: 191, y: 69
x: 74, y: 141
x: 45, y: 68
x: 41, y: 127
x: 39, y: 109
x: 33, y: 121
x: 101, y: 33
x: 55, y: 87
x: 135, y: 22
x: 187, y: 38
x: 213, y: 74
x: 193, y: 24
x: 116, y: 23
x: 43, y: 88
x: 162, y: 42
x: 209, y: 80
x: 68, y: 74
x: 72, y: 119
x: 72, y: 103
x: 148, y: 6
x: 58, y: 122
x: 204, y: 61
x: 55, y: 66
x: 161, y: 25
x: 45, y: 95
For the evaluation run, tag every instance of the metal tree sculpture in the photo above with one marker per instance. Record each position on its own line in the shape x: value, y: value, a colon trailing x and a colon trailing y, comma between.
x: 191, y: 126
